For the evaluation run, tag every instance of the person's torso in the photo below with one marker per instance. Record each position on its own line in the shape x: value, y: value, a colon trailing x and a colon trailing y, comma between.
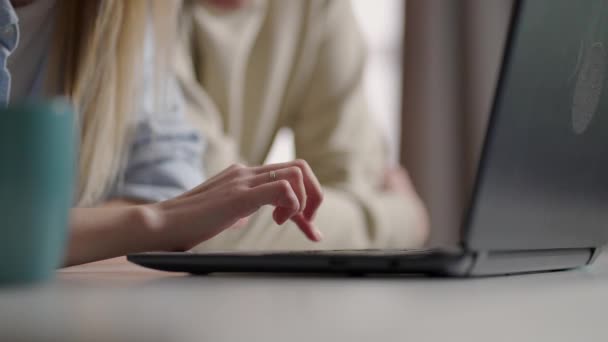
x: 254, y: 63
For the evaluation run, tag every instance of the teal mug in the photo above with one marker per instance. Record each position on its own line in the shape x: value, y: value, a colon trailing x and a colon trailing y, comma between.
x: 37, y: 159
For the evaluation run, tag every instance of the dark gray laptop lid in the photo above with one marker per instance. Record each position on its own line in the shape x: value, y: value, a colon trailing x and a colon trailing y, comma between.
x: 543, y: 176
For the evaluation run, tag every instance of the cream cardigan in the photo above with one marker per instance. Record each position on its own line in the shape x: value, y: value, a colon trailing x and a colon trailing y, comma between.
x: 296, y: 64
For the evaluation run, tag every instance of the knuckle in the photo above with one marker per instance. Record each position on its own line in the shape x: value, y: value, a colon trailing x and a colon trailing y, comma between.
x: 301, y: 163
x: 320, y: 196
x: 240, y: 171
x: 295, y: 172
x: 284, y: 186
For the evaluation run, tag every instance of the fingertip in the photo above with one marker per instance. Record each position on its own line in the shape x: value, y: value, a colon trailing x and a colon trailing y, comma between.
x: 276, y: 217
x: 281, y: 215
x: 311, y: 232
x: 318, y: 235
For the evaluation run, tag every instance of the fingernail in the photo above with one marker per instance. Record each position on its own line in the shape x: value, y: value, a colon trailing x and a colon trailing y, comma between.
x: 318, y: 235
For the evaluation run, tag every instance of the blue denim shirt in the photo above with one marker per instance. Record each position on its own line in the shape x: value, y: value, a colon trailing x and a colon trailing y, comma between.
x: 164, y: 158
x: 9, y: 36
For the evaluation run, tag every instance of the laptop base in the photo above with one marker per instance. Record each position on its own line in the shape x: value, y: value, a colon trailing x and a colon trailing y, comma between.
x: 434, y: 262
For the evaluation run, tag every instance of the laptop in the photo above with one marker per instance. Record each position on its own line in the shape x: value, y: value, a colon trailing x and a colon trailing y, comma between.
x: 540, y: 198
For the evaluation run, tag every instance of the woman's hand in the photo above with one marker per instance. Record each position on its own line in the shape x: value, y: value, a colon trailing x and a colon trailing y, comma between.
x: 185, y: 221
x: 236, y: 193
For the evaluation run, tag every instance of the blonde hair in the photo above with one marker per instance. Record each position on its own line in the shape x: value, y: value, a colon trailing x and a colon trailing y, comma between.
x: 98, y: 57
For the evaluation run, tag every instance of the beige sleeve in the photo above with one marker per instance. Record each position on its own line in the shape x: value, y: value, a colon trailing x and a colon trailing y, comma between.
x: 337, y: 135
x: 220, y: 150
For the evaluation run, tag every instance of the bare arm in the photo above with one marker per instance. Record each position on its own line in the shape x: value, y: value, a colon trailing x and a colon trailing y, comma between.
x: 102, y: 233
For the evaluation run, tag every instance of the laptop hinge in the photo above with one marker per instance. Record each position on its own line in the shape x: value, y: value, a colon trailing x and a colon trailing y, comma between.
x: 506, y: 262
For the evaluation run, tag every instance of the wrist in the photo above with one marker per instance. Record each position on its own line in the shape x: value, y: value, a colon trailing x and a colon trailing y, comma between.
x: 153, y: 227
x: 102, y: 233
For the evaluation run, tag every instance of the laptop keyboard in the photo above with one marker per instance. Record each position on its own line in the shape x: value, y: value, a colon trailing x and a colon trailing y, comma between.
x: 336, y: 252
x: 370, y: 251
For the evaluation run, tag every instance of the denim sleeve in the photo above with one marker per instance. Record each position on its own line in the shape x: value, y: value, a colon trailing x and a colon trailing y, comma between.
x: 165, y: 155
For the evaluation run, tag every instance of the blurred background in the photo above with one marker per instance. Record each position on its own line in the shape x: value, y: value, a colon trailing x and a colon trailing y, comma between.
x: 430, y: 78
x: 452, y: 52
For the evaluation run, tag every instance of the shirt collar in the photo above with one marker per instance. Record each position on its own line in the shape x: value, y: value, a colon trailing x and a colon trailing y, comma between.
x: 8, y: 15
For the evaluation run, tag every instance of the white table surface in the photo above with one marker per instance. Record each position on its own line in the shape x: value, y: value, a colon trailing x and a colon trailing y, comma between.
x: 116, y: 301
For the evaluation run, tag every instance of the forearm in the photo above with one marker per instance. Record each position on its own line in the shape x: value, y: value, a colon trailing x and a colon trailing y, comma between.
x: 106, y: 232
